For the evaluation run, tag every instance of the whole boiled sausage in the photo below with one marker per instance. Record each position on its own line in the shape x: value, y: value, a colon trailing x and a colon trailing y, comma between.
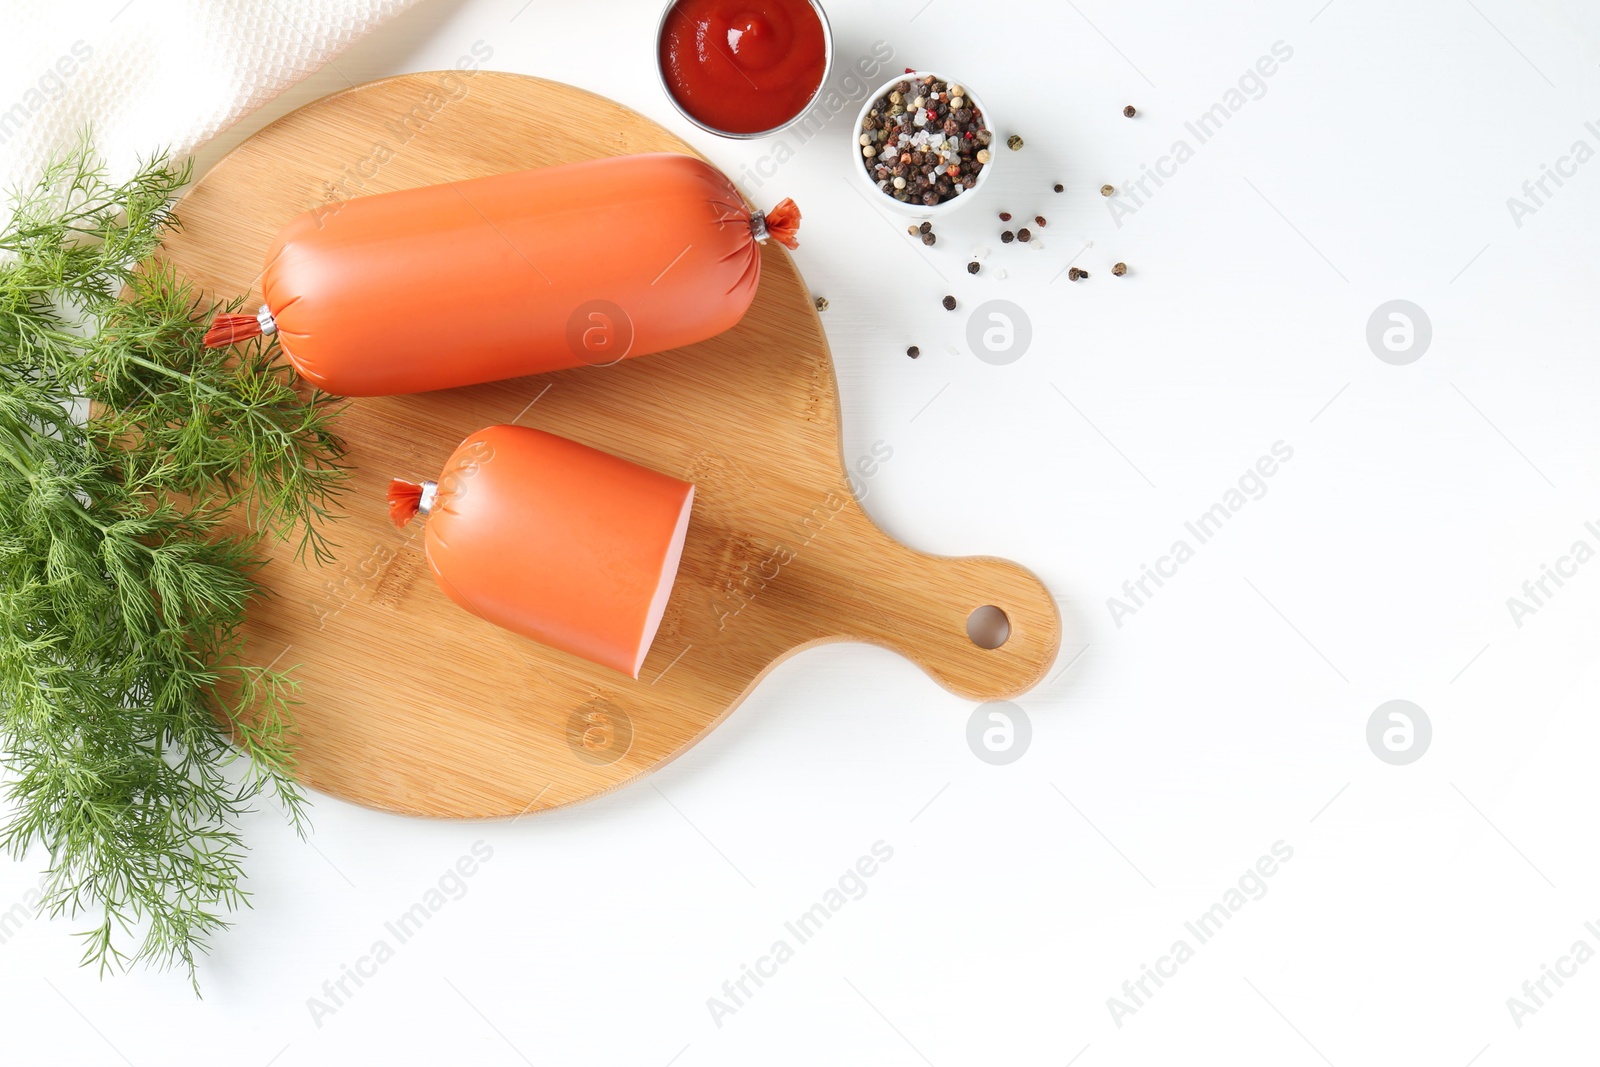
x: 512, y: 274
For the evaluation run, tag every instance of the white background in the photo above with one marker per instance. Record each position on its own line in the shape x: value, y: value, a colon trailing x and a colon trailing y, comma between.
x: 1167, y: 754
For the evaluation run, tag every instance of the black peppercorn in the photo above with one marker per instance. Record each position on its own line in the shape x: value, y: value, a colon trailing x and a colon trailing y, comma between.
x: 1074, y: 274
x: 1130, y: 111
x: 949, y: 303
x: 1006, y: 237
x: 1024, y: 235
x: 1059, y: 187
x: 929, y: 238
x: 926, y: 227
x: 913, y: 351
x: 973, y: 268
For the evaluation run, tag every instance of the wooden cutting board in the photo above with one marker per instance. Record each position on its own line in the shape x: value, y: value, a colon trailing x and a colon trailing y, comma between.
x: 411, y: 704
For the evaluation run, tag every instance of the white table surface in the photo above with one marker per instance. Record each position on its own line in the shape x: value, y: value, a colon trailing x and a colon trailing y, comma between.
x: 1168, y: 754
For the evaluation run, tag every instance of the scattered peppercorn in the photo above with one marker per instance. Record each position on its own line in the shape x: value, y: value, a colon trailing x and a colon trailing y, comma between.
x: 822, y: 303
x: 1106, y: 190
x: 1120, y: 269
x: 913, y: 351
x: 1038, y: 220
x: 949, y: 303
x: 1006, y: 237
x: 926, y: 227
x: 929, y: 238
x: 1005, y: 216
x: 1130, y: 111
x: 1024, y: 234
x: 1014, y: 142
x: 1059, y: 187
x: 973, y: 268
x: 1074, y: 274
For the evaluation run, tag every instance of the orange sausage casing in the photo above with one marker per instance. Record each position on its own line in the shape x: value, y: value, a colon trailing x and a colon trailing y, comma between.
x: 512, y: 274
x: 557, y: 541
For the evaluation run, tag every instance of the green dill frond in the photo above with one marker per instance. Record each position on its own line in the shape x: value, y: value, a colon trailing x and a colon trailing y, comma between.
x: 131, y: 456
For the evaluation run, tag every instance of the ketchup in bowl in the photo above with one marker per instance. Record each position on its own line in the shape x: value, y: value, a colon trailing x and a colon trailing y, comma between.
x: 743, y: 66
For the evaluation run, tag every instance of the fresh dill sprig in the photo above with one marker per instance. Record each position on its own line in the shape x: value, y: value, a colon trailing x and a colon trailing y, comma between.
x: 210, y: 421
x: 131, y: 457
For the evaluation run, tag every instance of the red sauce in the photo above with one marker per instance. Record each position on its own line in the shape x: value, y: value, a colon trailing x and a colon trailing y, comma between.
x: 743, y: 66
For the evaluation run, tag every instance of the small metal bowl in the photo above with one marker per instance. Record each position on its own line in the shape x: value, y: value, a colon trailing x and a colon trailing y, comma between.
x: 827, y: 69
x: 918, y: 210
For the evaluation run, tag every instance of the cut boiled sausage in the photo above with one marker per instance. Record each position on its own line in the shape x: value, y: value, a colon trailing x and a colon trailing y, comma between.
x: 552, y: 539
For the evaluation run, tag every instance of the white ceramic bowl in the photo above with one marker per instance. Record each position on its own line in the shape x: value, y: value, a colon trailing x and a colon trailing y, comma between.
x: 918, y: 210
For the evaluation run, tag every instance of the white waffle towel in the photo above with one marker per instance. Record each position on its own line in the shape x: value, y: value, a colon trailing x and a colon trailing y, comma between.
x: 149, y: 75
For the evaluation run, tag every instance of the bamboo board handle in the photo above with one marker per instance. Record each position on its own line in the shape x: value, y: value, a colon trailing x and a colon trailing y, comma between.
x: 919, y: 605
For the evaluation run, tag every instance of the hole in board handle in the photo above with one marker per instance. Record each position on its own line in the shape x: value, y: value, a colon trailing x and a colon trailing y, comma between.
x: 988, y: 627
